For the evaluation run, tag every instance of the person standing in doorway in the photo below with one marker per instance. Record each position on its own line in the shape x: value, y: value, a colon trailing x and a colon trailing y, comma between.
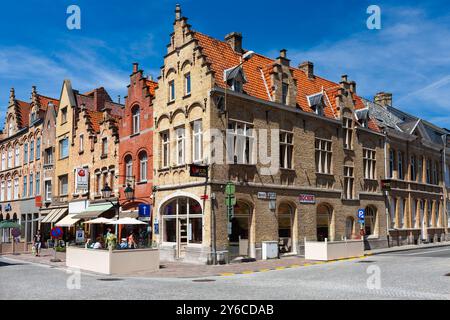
x: 37, y: 242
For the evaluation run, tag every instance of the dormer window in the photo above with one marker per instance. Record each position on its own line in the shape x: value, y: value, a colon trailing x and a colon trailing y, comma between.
x: 235, y: 78
x: 363, y: 117
x: 316, y: 103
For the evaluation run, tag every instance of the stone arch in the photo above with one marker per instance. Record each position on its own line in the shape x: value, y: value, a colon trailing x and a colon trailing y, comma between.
x: 170, y: 71
x: 175, y: 114
x: 186, y: 63
x: 191, y: 110
x: 325, y: 221
x: 161, y: 118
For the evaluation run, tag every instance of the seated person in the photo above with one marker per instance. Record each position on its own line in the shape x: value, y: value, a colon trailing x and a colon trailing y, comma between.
x: 123, y: 244
x: 97, y: 244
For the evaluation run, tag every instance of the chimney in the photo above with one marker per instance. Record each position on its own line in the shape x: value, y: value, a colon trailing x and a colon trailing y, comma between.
x: 383, y: 98
x: 234, y: 39
x: 282, y: 59
x: 308, y: 68
x: 177, y: 12
x: 135, y: 67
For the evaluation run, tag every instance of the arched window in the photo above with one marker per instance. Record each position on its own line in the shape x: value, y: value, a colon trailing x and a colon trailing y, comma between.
x: 369, y: 220
x: 349, y: 226
x: 129, y: 166
x: 143, y: 166
x: 136, y: 112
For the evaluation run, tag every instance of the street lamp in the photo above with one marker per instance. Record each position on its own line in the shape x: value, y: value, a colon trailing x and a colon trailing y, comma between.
x: 129, y: 192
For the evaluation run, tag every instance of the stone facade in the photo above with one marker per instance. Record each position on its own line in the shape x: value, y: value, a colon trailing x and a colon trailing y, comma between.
x: 417, y: 173
x: 181, y: 205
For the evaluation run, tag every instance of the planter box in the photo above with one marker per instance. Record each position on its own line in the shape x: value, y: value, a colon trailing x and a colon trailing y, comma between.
x: 114, y: 261
x: 325, y: 251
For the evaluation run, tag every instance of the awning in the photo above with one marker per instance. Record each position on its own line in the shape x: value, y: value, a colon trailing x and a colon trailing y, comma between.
x: 67, y: 221
x: 55, y: 215
x: 129, y: 214
x: 94, y: 210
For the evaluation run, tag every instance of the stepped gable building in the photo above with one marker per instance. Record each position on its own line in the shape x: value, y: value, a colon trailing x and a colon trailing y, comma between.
x: 136, y: 143
x: 21, y: 174
x: 86, y: 137
x: 216, y: 103
x: 417, y: 162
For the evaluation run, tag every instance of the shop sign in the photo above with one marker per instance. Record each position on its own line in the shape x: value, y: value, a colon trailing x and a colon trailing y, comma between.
x: 272, y: 204
x: 307, y: 198
x: 144, y: 210
x: 385, y: 185
x: 79, y: 236
x: 82, y: 179
x: 196, y: 170
x: 272, y: 195
x: 262, y: 195
x: 156, y: 226
x: 38, y: 201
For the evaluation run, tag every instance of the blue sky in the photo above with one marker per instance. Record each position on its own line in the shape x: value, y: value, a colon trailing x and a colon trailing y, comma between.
x: 409, y: 56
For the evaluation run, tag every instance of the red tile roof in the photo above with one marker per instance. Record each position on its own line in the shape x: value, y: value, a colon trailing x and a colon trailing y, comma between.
x: 95, y: 118
x: 152, y: 85
x: 24, y: 111
x: 221, y: 56
x: 44, y: 101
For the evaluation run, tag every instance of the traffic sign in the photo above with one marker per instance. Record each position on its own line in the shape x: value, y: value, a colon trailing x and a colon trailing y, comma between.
x: 144, y: 210
x: 361, y: 214
x: 230, y: 189
x: 56, y: 232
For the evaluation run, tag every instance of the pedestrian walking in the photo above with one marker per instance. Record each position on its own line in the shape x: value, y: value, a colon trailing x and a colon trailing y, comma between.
x: 37, y: 243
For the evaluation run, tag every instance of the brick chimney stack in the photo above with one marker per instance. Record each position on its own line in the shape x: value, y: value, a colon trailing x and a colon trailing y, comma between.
x: 12, y: 96
x: 177, y: 12
x: 383, y: 98
x: 308, y: 68
x: 234, y: 39
x: 282, y: 59
x: 135, y: 67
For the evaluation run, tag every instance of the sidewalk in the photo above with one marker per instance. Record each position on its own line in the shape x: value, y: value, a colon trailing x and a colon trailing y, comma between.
x: 408, y: 247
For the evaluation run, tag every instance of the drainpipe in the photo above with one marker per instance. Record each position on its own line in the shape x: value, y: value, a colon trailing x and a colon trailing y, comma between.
x: 446, y: 177
x: 386, y: 198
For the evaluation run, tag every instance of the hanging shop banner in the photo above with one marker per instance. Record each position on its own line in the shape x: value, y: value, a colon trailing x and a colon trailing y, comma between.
x: 82, y: 179
x: 307, y: 198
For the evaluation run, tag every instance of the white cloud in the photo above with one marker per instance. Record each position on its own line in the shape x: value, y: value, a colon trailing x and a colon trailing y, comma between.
x: 408, y: 56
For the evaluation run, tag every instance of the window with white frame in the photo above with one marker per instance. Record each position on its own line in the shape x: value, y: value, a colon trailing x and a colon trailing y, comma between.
x: 136, y: 115
x: 63, y: 185
x: 48, y: 190
x: 369, y: 163
x: 172, y: 90
x: 38, y: 148
x: 104, y: 147
x: 286, y: 149
x: 2, y: 190
x: 38, y: 183
x: 10, y: 157
x: 165, y: 149
x: 16, y: 188
x: 3, y: 160
x: 391, y: 163
x: 25, y: 187
x: 64, y: 148
x: 32, y: 150
x: 323, y: 156
x: 98, y: 183
x: 143, y: 166
x: 348, y: 182
x: 31, y: 189
x: 400, y: 165
x: 187, y: 83
x: 348, y: 133
x: 25, y: 153
x: 180, y: 143
x: 240, y: 142
x: 435, y: 166
x: 63, y: 115
x: 128, y: 167
x: 17, y: 156
x: 8, y: 190
x: 197, y: 147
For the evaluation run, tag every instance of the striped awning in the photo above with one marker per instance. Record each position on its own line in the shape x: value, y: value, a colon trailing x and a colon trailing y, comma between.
x: 94, y: 211
x: 55, y: 215
x: 67, y: 221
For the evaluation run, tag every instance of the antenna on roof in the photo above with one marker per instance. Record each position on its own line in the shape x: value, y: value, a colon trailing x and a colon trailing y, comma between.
x: 118, y: 97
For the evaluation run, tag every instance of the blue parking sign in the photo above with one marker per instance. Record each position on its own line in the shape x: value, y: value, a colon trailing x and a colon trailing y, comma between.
x: 361, y: 214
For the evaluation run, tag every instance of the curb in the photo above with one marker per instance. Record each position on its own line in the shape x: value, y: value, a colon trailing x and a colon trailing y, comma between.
x: 398, y: 249
x: 294, y: 266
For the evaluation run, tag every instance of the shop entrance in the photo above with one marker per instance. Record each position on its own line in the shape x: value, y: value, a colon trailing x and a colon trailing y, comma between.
x: 324, y: 213
x: 182, y: 221
x: 239, y: 237
x: 285, y: 228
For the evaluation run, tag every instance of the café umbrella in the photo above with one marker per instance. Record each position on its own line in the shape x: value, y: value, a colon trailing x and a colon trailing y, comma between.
x: 99, y: 221
x: 128, y: 221
x: 8, y: 224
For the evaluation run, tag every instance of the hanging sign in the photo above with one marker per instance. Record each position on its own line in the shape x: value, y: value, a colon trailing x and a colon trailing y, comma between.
x: 82, y: 179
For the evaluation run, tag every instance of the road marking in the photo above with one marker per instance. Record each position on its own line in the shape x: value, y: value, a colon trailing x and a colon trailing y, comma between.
x: 419, y: 253
x: 294, y: 266
x: 247, y: 272
x: 264, y: 270
x: 307, y: 264
x: 280, y: 268
x: 227, y: 274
